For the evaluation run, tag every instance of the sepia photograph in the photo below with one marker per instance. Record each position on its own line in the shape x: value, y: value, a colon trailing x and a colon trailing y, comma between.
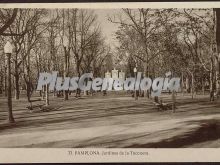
x: 109, y: 78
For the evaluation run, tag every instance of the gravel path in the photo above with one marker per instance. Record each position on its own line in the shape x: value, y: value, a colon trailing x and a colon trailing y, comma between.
x: 108, y: 122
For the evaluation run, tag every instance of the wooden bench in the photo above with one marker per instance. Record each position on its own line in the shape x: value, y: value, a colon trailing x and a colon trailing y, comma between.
x: 167, y: 106
x: 158, y: 105
x: 31, y: 106
x: 163, y: 106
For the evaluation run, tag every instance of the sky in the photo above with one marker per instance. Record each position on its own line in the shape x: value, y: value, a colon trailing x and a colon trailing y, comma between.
x: 108, y: 28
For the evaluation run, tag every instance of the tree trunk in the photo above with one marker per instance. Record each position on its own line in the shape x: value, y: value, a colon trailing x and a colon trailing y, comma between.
x: 187, y: 84
x: 78, y: 91
x: 28, y: 91
x: 174, y: 101
x: 203, y: 86
x: 146, y: 74
x: 43, y: 93
x: 5, y: 82
x: 28, y: 80
x: 17, y: 90
x: 47, y: 95
x: 182, y: 86
x: 66, y: 93
x: 217, y: 37
x: 212, y: 82
x: 217, y: 77
x: 156, y: 99
x: 1, y: 84
x: 192, y: 86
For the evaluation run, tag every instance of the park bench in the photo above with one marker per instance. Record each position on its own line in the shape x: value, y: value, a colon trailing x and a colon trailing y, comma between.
x: 163, y: 106
x: 166, y: 91
x: 31, y: 106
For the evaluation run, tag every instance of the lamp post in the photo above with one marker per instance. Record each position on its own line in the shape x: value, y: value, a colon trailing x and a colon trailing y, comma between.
x: 135, y: 92
x: 8, y: 52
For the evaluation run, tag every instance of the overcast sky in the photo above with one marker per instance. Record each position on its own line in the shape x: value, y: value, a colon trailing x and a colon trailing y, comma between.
x: 108, y: 28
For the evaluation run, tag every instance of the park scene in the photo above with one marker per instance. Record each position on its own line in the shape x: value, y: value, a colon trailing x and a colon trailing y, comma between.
x: 157, y: 45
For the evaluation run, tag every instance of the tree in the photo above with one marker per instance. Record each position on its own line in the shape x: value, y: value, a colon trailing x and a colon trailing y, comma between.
x: 218, y: 50
x: 27, y: 21
x: 178, y: 40
x: 7, y: 18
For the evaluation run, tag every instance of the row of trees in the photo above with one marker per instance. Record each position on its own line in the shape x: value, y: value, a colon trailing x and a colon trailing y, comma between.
x: 183, y: 41
x: 69, y: 41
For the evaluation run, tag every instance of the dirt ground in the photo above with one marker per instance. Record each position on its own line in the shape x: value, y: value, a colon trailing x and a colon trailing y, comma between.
x: 115, y: 120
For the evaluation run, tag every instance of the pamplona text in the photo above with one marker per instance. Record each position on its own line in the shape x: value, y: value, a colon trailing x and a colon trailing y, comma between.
x: 87, y: 82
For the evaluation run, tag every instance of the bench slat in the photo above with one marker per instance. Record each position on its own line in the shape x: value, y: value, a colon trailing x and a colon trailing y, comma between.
x: 35, y: 100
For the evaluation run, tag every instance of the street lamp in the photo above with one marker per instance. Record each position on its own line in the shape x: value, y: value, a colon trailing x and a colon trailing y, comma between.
x: 135, y: 70
x: 135, y: 92
x: 8, y: 52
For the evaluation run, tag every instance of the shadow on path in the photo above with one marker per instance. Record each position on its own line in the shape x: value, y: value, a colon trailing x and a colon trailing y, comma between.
x: 208, y: 130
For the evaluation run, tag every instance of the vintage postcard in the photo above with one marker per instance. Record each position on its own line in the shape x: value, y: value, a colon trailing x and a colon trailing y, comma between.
x: 110, y: 82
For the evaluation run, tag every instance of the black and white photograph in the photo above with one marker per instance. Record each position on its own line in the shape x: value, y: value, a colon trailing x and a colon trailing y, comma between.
x: 109, y: 78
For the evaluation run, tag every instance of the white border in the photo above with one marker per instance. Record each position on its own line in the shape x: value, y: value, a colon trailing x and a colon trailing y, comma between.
x: 56, y: 155
x: 52, y: 155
